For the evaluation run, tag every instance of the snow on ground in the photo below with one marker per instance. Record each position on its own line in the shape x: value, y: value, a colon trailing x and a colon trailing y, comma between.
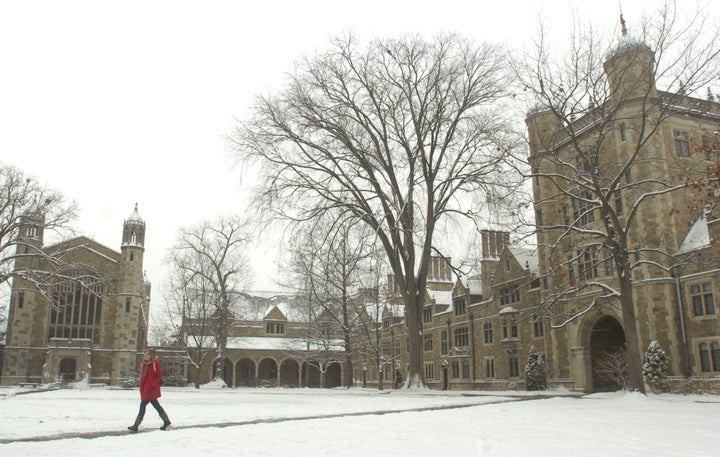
x: 269, y: 422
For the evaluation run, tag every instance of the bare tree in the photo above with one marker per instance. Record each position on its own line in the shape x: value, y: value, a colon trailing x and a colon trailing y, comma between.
x: 29, y: 210
x: 209, y: 269
x: 328, y: 261
x: 598, y: 127
x: 398, y: 136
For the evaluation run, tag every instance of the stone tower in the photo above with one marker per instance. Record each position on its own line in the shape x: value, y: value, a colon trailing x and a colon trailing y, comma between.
x: 131, y: 307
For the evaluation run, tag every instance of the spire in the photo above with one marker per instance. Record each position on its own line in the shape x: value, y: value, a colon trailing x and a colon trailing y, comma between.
x: 623, y: 28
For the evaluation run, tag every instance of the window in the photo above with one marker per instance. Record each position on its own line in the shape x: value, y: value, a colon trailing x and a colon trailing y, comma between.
x: 701, y: 296
x: 386, y: 324
x: 682, y: 143
x: 20, y: 299
x: 709, y: 356
x: 428, y: 342
x: 619, y: 208
x: 504, y: 296
x: 461, y: 337
x: 429, y: 370
x: 514, y: 366
x: 466, y: 369
x: 538, y: 329
x: 76, y: 309
x: 587, y: 266
x: 132, y: 257
x: 609, y: 267
x: 571, y: 272
x: 711, y: 147
x: 127, y: 305
x: 509, y: 295
x: 444, y: 342
x: 489, y: 368
x: 487, y: 331
x: 427, y: 314
x: 538, y: 217
x: 459, y: 306
x: 455, y: 369
x: 510, y: 329
x: 582, y: 209
x: 623, y: 132
x: 278, y: 328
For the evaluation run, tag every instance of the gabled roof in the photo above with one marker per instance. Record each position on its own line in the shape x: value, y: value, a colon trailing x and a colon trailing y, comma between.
x: 275, y: 314
x: 526, y: 257
x: 698, y: 237
x: 83, y: 242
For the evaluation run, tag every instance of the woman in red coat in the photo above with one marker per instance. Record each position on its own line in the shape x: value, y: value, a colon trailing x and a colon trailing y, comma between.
x: 150, y: 378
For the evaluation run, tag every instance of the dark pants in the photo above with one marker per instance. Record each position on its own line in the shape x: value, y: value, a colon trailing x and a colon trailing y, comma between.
x: 156, y: 405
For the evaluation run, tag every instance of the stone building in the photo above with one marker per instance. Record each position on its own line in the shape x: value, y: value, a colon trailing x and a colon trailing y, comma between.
x: 641, y: 145
x: 81, y: 312
x: 272, y: 341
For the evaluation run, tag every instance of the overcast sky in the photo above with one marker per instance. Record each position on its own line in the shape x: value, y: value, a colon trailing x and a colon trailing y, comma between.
x: 118, y: 102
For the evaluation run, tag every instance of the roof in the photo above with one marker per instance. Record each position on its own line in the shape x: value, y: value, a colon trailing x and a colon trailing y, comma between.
x: 698, y: 237
x: 282, y: 344
x: 526, y: 257
x: 135, y: 216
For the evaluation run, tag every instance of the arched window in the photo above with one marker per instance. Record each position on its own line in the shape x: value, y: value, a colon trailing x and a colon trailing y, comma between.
x: 77, y: 303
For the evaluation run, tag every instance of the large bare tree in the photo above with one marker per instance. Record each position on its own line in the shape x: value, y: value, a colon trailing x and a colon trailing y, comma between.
x: 29, y: 210
x: 598, y: 124
x: 208, y: 272
x: 397, y: 135
x: 329, y: 263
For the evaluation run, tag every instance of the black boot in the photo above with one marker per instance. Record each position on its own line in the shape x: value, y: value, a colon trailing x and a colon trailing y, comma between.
x: 166, y: 421
x: 134, y: 427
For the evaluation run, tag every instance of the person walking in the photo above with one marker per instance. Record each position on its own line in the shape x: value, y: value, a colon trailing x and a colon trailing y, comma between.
x: 150, y: 378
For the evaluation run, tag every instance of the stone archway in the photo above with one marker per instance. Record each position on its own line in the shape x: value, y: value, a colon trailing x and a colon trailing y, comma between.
x: 310, y: 375
x: 68, y: 367
x: 267, y: 373
x: 224, y: 369
x: 333, y: 376
x: 245, y: 373
x: 607, y: 352
x: 289, y: 373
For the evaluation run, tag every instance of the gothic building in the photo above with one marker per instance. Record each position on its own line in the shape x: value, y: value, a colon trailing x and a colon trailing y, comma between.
x: 621, y: 175
x: 81, y: 311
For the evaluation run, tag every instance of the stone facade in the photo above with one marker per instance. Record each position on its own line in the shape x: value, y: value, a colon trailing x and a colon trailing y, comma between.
x: 86, y: 320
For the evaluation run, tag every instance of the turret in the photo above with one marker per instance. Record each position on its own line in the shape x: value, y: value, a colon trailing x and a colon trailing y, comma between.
x: 630, y: 69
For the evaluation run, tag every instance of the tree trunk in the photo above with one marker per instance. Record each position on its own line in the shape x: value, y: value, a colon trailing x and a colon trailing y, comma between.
x: 415, y: 348
x: 632, y: 340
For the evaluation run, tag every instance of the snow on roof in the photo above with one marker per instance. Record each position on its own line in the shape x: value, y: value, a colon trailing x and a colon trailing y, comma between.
x: 508, y: 310
x: 281, y: 344
x: 474, y: 285
x: 135, y: 216
x: 697, y: 238
x: 527, y: 258
x: 441, y: 297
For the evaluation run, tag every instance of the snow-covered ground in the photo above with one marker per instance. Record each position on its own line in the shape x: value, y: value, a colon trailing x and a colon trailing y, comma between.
x: 357, y: 422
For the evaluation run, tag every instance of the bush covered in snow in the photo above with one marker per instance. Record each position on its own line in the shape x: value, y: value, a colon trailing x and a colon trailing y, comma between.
x: 535, y: 371
x: 655, y: 368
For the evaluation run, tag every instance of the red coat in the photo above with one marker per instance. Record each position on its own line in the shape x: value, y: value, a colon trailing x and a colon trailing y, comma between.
x: 150, y: 380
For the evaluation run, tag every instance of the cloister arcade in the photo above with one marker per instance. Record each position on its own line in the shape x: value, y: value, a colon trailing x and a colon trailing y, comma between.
x: 269, y: 371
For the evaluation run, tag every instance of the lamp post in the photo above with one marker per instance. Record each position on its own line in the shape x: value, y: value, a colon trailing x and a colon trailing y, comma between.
x: 364, y: 374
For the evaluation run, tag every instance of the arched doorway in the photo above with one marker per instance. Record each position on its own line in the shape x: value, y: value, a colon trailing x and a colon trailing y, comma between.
x: 267, y: 373
x: 310, y: 375
x: 333, y: 376
x: 245, y: 373
x: 289, y: 373
x: 224, y: 369
x: 607, y: 354
x: 67, y: 370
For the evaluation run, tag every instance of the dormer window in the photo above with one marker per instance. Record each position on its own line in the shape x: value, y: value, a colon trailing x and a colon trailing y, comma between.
x: 274, y: 328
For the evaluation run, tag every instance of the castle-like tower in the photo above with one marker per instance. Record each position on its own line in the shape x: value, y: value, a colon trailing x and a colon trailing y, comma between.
x: 78, y: 310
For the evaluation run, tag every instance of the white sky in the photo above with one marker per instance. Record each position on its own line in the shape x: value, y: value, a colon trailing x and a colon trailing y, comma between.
x: 615, y: 424
x: 118, y: 102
